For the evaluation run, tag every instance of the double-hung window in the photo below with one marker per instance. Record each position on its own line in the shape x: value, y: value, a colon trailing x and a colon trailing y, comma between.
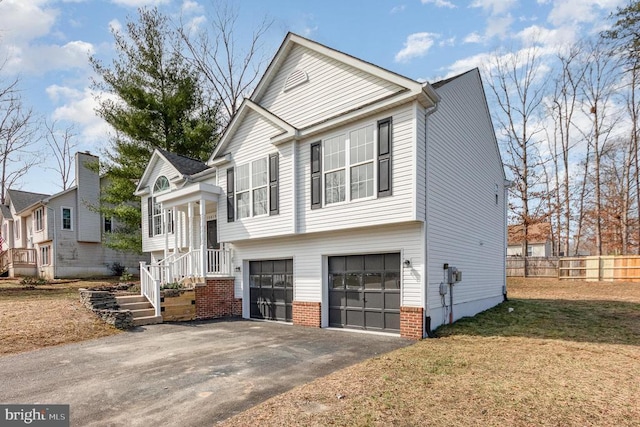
x: 251, y: 188
x: 67, y: 219
x: 348, y: 164
x: 38, y: 219
x: 45, y: 255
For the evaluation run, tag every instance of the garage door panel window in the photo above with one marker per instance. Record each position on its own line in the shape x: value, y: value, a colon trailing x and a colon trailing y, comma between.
x: 373, y: 280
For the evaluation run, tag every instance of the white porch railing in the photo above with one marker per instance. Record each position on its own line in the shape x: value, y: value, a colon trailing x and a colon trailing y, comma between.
x: 176, y: 268
x: 150, y: 286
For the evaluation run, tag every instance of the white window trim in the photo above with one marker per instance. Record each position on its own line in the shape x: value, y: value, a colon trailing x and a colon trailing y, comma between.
x: 62, y: 208
x: 251, y: 189
x: 347, y: 166
x: 38, y: 227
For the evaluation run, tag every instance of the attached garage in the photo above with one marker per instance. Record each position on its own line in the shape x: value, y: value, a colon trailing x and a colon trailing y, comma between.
x: 271, y: 289
x: 364, y: 292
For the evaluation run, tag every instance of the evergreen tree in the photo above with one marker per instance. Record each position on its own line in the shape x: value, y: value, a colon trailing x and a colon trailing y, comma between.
x: 153, y: 99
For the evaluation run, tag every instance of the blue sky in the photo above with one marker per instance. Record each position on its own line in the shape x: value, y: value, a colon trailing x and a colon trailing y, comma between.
x: 47, y: 42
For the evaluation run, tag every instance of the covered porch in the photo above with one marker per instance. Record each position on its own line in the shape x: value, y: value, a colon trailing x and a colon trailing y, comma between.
x: 191, y: 253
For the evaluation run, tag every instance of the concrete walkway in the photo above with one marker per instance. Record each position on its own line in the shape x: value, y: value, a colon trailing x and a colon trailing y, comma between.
x: 188, y: 374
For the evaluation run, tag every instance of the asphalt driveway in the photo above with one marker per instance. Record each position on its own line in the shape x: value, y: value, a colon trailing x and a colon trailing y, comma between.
x: 188, y: 374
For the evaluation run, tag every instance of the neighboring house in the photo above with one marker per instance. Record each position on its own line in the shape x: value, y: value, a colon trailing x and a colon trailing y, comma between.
x: 60, y: 235
x: 539, y: 242
x: 336, y: 197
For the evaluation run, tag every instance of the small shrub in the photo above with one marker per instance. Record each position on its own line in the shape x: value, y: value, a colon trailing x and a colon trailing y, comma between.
x: 173, y: 285
x: 125, y: 276
x: 30, y: 281
x: 117, y: 269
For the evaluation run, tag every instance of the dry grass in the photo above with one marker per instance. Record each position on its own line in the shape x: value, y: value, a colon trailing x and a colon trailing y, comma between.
x: 568, y: 354
x: 45, y: 316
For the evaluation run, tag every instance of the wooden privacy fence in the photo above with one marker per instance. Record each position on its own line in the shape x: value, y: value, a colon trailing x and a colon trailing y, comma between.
x: 589, y: 268
x: 532, y: 266
x: 594, y: 268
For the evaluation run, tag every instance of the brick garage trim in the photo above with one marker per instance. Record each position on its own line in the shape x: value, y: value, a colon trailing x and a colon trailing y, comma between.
x: 411, y: 322
x: 307, y: 313
x: 216, y: 299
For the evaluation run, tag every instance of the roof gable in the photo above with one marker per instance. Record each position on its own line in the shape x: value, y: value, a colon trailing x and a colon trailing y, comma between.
x: 183, y: 164
x: 23, y: 199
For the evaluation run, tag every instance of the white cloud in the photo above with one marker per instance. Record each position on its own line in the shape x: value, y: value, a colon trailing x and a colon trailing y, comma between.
x: 398, y: 9
x: 22, y: 21
x: 574, y: 11
x: 440, y: 3
x: 417, y: 45
x: 139, y: 3
x: 494, y: 7
x: 473, y: 38
x: 39, y: 59
x: 79, y: 108
x: 115, y: 26
x: 550, y: 40
x: 451, y: 41
x: 191, y: 7
x: 498, y: 26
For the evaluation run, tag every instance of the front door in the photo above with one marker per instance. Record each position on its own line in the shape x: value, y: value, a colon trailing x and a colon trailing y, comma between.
x: 212, y: 235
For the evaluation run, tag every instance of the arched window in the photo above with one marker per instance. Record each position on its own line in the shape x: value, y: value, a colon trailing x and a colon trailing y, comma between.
x: 156, y: 225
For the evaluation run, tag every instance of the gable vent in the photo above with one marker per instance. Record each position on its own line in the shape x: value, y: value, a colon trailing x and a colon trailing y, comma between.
x: 296, y: 78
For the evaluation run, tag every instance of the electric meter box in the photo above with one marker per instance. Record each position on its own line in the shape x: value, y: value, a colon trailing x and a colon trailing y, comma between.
x: 453, y: 275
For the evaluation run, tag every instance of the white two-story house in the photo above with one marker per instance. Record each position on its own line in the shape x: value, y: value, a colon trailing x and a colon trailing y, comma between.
x: 340, y: 195
x: 60, y: 235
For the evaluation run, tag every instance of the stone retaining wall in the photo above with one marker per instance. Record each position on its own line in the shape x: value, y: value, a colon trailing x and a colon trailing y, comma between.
x: 105, y: 306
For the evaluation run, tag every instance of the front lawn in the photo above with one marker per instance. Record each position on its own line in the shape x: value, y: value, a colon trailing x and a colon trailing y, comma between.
x: 46, y: 315
x: 556, y: 354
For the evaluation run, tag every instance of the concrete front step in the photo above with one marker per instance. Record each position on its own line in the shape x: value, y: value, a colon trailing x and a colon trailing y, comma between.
x: 147, y: 320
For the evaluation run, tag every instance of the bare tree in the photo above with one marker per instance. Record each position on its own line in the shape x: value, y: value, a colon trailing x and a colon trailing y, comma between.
x: 562, y: 106
x: 229, y: 72
x: 598, y: 88
x: 62, y: 143
x: 518, y: 86
x: 17, y: 137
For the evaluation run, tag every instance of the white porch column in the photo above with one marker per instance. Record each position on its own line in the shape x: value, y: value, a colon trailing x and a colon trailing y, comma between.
x: 203, y: 238
x: 176, y: 224
x: 190, y: 227
x: 165, y: 213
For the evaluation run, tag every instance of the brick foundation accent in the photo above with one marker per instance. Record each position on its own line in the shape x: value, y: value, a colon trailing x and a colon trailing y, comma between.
x: 306, y: 313
x: 216, y: 299
x: 411, y: 319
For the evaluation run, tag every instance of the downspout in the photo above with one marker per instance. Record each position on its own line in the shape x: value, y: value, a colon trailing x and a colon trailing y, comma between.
x: 427, y: 319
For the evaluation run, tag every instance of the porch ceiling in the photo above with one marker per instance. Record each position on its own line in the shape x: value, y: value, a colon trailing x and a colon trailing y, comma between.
x: 193, y: 193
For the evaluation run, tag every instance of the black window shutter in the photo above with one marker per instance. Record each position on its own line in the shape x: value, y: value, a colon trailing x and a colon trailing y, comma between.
x: 316, y: 175
x: 231, y: 209
x: 150, y: 215
x: 384, y: 157
x: 273, y: 184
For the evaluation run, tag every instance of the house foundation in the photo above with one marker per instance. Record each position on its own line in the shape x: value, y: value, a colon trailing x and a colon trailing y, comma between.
x: 411, y: 322
x: 307, y: 314
x: 216, y: 299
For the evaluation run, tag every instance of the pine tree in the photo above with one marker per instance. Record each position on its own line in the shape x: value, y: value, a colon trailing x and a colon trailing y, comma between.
x: 153, y: 99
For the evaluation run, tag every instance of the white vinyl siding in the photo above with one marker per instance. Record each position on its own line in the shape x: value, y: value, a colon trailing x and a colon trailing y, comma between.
x: 309, y: 255
x: 465, y: 226
x: 333, y: 88
x: 369, y: 210
x: 251, y: 145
